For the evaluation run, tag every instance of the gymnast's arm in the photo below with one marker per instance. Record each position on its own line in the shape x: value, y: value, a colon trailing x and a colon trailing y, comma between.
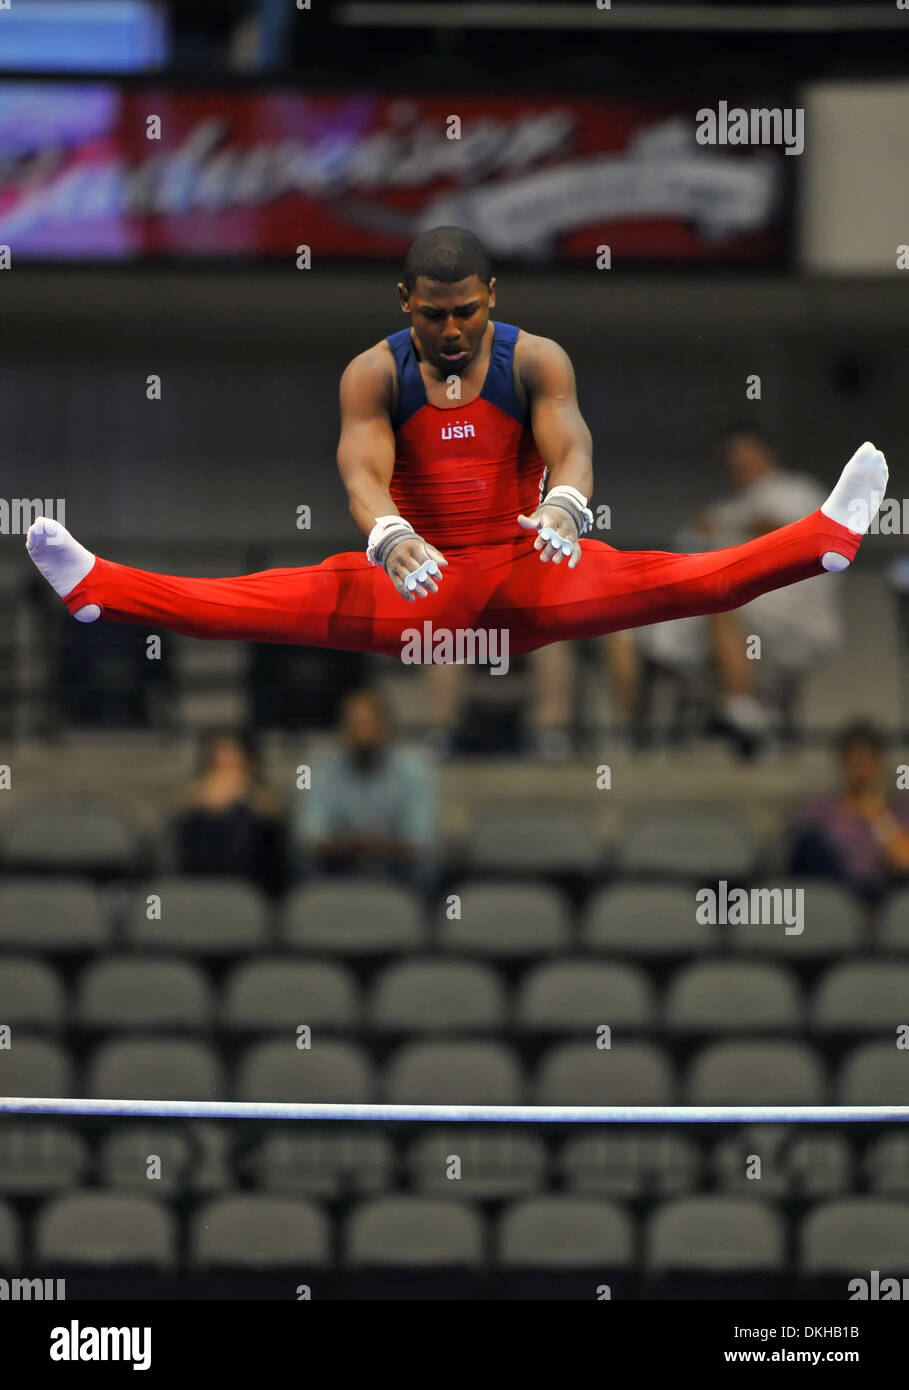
x: 366, y: 460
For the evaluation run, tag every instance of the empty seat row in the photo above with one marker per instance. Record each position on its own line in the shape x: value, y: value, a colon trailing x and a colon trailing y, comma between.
x: 336, y: 1162
x: 200, y: 916
x: 465, y: 1072
x: 432, y: 995
x: 559, y: 1231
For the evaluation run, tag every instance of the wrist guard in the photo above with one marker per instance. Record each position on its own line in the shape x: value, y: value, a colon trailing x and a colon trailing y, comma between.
x: 572, y: 502
x: 388, y: 532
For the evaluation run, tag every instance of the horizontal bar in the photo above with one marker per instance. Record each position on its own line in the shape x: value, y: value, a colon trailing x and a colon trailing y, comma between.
x: 478, y: 14
x: 479, y: 1114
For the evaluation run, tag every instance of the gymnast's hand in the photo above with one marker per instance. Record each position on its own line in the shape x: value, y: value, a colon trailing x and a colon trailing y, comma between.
x: 413, y: 566
x: 557, y: 534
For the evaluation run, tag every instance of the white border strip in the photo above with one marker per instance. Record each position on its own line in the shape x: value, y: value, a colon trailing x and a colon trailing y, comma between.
x: 479, y: 1114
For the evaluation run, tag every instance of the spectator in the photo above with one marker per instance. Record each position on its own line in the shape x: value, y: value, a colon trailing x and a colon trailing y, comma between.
x: 371, y: 806
x: 229, y: 821
x: 856, y: 835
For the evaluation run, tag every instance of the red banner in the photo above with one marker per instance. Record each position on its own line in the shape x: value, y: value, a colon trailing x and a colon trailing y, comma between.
x: 260, y: 173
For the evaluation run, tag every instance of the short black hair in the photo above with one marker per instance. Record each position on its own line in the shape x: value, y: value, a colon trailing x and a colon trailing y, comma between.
x: 448, y: 254
x: 860, y: 733
x: 750, y: 431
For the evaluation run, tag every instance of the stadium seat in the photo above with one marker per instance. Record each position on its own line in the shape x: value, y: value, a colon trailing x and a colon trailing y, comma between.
x: 562, y: 1231
x: 532, y: 837
x: 352, y: 917
x: 328, y: 1161
x: 128, y: 992
x: 722, y: 996
x: 885, y: 1164
x: 35, y: 1067
x: 31, y: 994
x: 834, y: 924
x: 454, y: 1073
x: 695, y: 843
x: 868, y: 996
x: 281, y: 992
x: 874, y: 1073
x: 152, y: 1068
x: 631, y: 1162
x: 518, y: 919
x: 797, y: 1162
x: 65, y: 915
x: 580, y: 995
x: 431, y: 996
x: 853, y: 1235
x: 892, y: 927
x: 715, y: 1233
x: 10, y: 1238
x: 647, y: 920
x: 124, y: 1153
x: 578, y: 1073
x: 70, y: 836
x: 258, y: 1231
x: 419, y: 1232
x: 756, y: 1073
x: 198, y: 916
x: 328, y: 1071
x: 105, y: 1228
x: 38, y: 1157
x: 497, y: 1161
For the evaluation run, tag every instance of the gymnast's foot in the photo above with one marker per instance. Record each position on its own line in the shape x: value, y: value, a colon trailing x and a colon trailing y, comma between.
x: 62, y: 560
x: 855, y: 500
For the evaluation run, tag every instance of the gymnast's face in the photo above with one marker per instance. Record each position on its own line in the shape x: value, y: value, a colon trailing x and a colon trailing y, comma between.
x: 449, y: 321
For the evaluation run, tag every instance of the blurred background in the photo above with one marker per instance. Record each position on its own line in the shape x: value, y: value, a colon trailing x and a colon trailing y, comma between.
x: 452, y: 881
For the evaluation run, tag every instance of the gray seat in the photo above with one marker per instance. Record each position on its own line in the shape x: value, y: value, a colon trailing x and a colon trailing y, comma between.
x: 198, y: 916
x: 690, y: 842
x: 128, y: 992
x: 497, y: 1161
x: 352, y: 917
x: 636, y: 1073
x: 414, y: 1232
x: 66, y: 915
x: 867, y: 996
x: 892, y: 928
x: 803, y: 1162
x: 31, y: 994
x: 431, y: 996
x: 640, y: 919
x: 35, y: 1067
x: 105, y: 1229
x: 756, y: 1073
x: 579, y: 995
x: 721, y: 996
x: 834, y: 924
x: 124, y: 1153
x: 67, y: 835
x: 886, y: 1164
x: 38, y: 1157
x: 329, y: 1161
x: 561, y: 1231
x: 873, y: 1073
x: 259, y: 1231
x: 533, y: 837
x: 718, y: 1234
x: 523, y: 918
x: 152, y: 1068
x: 853, y: 1235
x: 630, y: 1162
x: 283, y: 992
x: 454, y: 1073
x: 330, y: 1071
x: 10, y: 1238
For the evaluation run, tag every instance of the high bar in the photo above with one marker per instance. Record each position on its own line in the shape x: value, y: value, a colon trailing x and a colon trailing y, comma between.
x: 449, y: 1114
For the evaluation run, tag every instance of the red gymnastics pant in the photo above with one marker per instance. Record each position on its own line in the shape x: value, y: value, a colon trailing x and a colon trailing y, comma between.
x: 347, y: 603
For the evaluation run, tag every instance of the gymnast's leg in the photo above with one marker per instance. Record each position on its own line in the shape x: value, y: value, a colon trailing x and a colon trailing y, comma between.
x: 613, y: 589
x: 345, y: 602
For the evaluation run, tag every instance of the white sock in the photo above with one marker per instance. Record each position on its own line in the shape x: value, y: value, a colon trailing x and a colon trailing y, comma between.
x: 855, y: 500
x: 62, y: 560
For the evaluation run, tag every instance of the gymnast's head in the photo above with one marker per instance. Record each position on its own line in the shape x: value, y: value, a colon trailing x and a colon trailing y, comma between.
x: 448, y: 290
